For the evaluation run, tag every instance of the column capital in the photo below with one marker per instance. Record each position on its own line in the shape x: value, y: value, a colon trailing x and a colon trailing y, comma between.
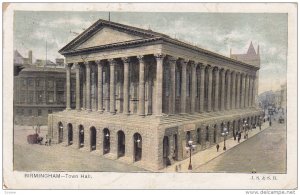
x: 172, y: 59
x: 87, y: 64
x: 228, y: 71
x: 192, y: 64
x: 216, y: 68
x: 183, y: 62
x: 125, y: 59
x: 140, y: 58
x: 159, y: 56
x: 99, y: 62
x: 202, y: 66
x: 76, y: 65
x: 209, y: 67
x: 112, y: 62
x: 69, y: 65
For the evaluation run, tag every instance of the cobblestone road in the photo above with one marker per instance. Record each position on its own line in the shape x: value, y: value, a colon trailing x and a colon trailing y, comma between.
x: 265, y: 152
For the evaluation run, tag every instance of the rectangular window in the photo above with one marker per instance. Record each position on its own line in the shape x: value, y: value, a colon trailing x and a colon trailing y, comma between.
x: 30, y: 96
x: 60, y: 85
x: 29, y: 112
x: 49, y: 111
x: 50, y: 97
x: 23, y: 97
x: 30, y: 82
x: 24, y: 83
x: 60, y: 97
x: 50, y: 84
x: 39, y: 112
x: 40, y: 96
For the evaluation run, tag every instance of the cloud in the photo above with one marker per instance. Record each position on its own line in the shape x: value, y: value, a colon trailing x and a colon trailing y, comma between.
x: 214, y: 32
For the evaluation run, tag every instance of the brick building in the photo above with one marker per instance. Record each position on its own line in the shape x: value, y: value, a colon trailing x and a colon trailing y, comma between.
x: 141, y: 96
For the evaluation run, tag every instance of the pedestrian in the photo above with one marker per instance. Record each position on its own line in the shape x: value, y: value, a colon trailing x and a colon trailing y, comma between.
x: 270, y: 123
x: 179, y: 167
x: 49, y: 142
x: 217, y: 146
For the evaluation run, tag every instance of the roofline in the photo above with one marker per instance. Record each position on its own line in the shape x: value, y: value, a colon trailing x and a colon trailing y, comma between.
x: 172, y: 41
x: 109, y: 23
x: 156, y: 36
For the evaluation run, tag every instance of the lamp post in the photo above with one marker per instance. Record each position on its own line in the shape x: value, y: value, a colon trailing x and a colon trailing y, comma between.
x: 224, y: 134
x: 244, y: 127
x: 189, y: 148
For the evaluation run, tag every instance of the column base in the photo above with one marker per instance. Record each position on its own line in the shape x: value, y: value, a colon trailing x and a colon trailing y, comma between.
x: 100, y: 111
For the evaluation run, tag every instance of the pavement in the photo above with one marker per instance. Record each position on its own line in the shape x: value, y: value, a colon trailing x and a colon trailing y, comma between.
x: 202, y: 157
x: 264, y: 153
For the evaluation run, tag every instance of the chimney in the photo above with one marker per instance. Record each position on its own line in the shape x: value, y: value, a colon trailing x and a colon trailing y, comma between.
x: 30, y: 57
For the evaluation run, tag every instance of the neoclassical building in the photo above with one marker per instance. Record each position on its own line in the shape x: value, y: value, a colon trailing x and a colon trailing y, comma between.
x: 141, y: 95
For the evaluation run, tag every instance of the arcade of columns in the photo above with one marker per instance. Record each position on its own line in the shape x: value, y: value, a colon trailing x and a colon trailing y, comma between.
x: 217, y: 89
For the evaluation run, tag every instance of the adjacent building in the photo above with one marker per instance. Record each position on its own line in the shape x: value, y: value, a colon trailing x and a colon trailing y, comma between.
x: 141, y: 96
x: 38, y: 91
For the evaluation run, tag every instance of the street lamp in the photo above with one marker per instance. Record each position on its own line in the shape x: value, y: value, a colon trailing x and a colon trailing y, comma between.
x: 224, y: 134
x: 189, y: 148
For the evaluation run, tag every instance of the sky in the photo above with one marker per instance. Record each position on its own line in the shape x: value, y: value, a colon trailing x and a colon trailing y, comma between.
x: 217, y: 32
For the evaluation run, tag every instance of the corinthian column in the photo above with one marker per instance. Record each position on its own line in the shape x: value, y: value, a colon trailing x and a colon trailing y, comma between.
x: 141, y: 86
x: 126, y: 86
x: 77, y: 68
x: 194, y: 85
x: 233, y: 90
x: 209, y: 90
x: 159, y: 82
x: 172, y: 61
x: 68, y: 81
x: 238, y: 87
x: 246, y: 91
x: 88, y: 86
x: 228, y: 102
x: 183, y: 86
x: 100, y: 85
x: 250, y: 92
x: 222, y: 89
x: 243, y: 91
x: 112, y: 96
x: 202, y: 77
x: 216, y: 100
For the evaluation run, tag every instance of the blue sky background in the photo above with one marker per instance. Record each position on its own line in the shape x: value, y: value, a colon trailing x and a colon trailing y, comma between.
x: 217, y: 32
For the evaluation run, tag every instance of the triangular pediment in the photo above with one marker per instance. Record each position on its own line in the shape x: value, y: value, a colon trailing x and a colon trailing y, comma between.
x: 106, y: 36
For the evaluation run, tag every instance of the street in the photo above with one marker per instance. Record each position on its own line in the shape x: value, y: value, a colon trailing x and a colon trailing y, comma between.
x: 263, y: 153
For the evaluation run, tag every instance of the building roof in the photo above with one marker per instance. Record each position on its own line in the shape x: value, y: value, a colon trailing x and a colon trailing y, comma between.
x: 43, y: 69
x: 251, y: 50
x: 146, y: 36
